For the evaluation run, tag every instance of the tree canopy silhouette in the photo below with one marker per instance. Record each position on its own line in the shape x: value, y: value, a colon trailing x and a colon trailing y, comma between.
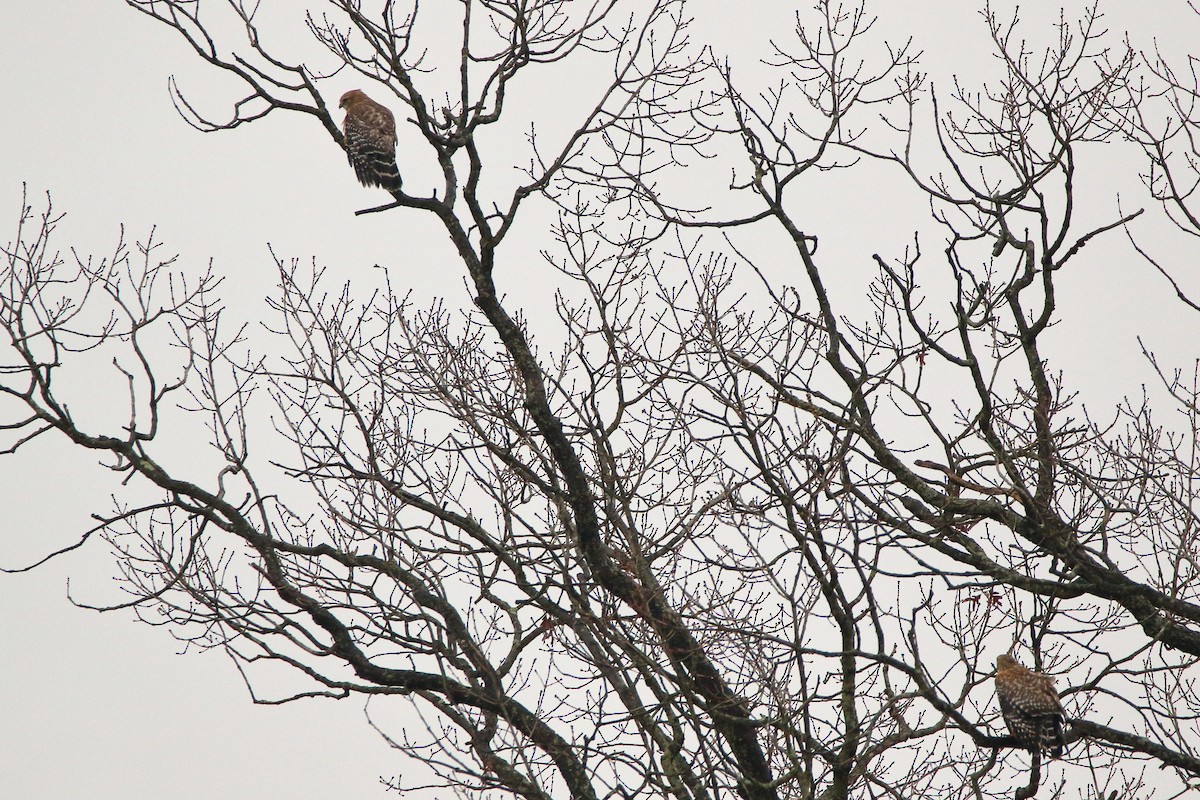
x: 746, y: 500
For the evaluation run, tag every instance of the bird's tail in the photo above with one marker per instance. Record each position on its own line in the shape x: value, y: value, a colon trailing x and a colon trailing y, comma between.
x: 377, y: 168
x: 1053, y: 739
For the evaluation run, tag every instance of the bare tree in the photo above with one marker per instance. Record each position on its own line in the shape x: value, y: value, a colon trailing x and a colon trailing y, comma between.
x: 729, y: 535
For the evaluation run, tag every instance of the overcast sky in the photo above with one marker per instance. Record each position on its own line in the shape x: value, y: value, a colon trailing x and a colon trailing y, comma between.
x: 97, y: 705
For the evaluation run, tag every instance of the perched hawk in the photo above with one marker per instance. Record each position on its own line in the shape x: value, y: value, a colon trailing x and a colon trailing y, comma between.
x: 1031, y: 707
x: 370, y: 131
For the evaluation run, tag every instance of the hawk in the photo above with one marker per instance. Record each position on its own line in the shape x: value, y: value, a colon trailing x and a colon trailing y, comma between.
x: 370, y: 131
x: 1031, y: 707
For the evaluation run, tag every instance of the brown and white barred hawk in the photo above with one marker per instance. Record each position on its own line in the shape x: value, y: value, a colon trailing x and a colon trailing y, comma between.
x: 1031, y: 707
x: 370, y: 131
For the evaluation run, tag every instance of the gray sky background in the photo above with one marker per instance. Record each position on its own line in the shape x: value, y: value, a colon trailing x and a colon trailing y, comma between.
x: 97, y: 705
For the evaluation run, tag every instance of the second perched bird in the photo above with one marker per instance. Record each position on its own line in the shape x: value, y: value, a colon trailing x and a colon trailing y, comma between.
x: 370, y: 131
x: 1031, y: 707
